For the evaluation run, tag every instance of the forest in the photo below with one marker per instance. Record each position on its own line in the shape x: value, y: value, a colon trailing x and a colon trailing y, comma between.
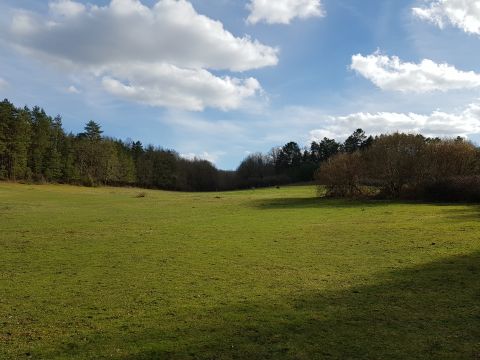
x: 34, y: 147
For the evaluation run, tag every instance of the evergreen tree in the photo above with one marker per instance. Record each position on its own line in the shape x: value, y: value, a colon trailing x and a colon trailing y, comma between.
x: 93, y: 131
x: 290, y: 156
x: 324, y: 150
x: 70, y: 165
x: 7, y: 111
x: 40, y: 144
x: 54, y: 167
x: 15, y: 142
x: 356, y: 141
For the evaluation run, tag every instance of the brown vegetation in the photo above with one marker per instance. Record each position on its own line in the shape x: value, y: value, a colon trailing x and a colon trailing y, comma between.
x: 406, y: 166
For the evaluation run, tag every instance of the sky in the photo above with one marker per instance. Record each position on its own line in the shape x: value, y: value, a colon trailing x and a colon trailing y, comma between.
x: 220, y: 79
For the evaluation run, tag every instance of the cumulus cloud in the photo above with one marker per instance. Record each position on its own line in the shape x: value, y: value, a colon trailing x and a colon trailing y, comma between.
x: 390, y: 73
x: 154, y: 55
x: 283, y: 11
x: 438, y: 123
x: 170, y: 86
x: 463, y: 14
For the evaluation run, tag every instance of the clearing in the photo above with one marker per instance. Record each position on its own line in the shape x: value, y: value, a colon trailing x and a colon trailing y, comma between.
x: 278, y: 273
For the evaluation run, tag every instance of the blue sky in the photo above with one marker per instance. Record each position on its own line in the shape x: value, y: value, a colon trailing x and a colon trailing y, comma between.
x: 299, y: 72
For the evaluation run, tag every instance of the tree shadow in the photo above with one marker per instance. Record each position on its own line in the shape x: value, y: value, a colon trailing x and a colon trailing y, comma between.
x: 314, y: 202
x: 425, y: 312
x: 468, y: 210
x: 468, y: 213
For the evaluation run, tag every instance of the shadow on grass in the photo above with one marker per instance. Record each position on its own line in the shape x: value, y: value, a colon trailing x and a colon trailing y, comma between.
x: 314, y: 202
x: 468, y: 211
x: 427, y: 312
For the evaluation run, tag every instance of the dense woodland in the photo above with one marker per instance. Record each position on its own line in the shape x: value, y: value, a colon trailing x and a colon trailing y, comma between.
x: 34, y: 147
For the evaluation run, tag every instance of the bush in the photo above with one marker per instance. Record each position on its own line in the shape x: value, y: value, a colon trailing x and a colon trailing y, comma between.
x: 406, y: 166
x: 394, y: 161
x: 449, y: 159
x: 341, y: 175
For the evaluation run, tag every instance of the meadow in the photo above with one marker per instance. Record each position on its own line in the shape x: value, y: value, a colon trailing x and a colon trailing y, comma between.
x: 110, y: 273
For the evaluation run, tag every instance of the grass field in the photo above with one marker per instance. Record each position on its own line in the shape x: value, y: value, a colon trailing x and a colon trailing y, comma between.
x: 262, y: 274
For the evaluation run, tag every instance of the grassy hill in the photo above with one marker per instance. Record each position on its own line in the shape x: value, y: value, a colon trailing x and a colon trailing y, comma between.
x: 277, y: 273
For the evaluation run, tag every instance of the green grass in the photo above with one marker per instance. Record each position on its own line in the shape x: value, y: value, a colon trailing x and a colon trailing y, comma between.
x: 264, y: 274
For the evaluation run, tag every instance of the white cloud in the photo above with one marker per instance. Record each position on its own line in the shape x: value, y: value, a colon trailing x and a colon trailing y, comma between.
x: 438, y: 123
x: 283, y: 11
x: 66, y: 8
x: 162, y: 55
x: 463, y: 14
x: 73, y: 90
x: 190, y: 89
x: 213, y: 158
x: 390, y: 73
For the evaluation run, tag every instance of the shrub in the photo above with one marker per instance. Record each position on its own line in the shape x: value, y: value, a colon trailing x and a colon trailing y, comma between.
x: 341, y: 175
x: 448, y: 159
x: 406, y: 166
x: 395, y: 160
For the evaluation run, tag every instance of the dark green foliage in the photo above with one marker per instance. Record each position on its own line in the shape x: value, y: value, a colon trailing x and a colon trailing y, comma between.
x: 156, y: 168
x: 92, y: 131
x: 53, y: 169
x: 70, y: 170
x: 34, y: 147
x: 197, y: 175
x: 289, y: 156
x: 357, y: 141
x: 257, y: 170
x: 324, y: 150
x: 40, y: 143
x: 126, y: 164
x: 292, y: 165
x: 15, y: 127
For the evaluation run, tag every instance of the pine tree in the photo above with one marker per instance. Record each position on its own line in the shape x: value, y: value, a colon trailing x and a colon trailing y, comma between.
x: 17, y: 145
x: 93, y: 131
x: 53, y: 165
x: 40, y: 144
x: 7, y: 111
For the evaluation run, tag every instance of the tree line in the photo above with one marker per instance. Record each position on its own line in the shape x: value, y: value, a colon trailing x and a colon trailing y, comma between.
x: 292, y: 164
x: 34, y: 147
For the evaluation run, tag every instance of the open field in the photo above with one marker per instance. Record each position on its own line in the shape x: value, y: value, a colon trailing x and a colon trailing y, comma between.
x: 99, y: 273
